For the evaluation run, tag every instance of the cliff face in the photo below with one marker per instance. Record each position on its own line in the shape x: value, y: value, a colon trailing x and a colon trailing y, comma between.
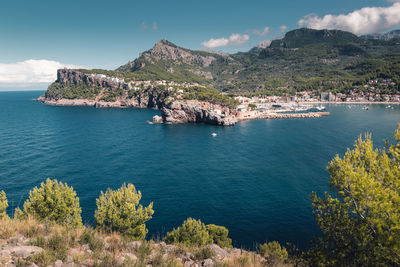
x: 70, y: 77
x: 195, y: 111
x: 68, y: 88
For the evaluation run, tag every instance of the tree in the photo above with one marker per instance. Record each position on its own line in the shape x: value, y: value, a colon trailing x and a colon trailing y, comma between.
x: 219, y: 235
x: 119, y: 210
x: 360, y: 221
x: 53, y: 201
x: 191, y: 232
x: 252, y: 106
x: 3, y: 204
x: 274, y: 253
x: 194, y: 232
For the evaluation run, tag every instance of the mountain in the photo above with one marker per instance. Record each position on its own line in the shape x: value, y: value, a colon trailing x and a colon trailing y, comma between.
x: 383, y: 36
x: 171, y: 62
x: 303, y: 59
x: 303, y: 37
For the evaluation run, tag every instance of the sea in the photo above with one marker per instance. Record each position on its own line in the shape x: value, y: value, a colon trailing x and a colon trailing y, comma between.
x: 254, y: 178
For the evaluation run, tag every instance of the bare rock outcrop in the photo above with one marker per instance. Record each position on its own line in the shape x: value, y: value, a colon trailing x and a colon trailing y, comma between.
x: 158, y: 97
x: 193, y: 111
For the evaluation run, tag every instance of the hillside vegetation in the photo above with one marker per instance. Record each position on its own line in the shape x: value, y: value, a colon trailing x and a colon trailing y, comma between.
x: 304, y: 59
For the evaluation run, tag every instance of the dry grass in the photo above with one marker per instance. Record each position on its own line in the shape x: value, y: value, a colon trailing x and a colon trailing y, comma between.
x: 95, y: 248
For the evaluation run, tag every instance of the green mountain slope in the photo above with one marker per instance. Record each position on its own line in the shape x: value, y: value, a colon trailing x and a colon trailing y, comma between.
x: 304, y: 59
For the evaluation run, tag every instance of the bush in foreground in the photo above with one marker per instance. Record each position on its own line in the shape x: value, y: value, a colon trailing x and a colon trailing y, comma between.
x: 219, y: 235
x: 3, y: 204
x: 54, y: 201
x: 360, y: 222
x: 274, y: 253
x: 194, y: 232
x: 119, y: 210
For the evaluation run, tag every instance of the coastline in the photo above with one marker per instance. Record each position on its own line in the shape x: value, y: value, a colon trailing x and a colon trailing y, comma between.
x: 349, y: 103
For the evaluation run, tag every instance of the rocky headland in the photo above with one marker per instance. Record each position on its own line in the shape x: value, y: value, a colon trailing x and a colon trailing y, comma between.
x: 77, y: 88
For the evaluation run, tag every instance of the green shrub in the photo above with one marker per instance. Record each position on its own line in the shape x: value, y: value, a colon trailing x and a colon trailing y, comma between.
x: 242, y: 261
x: 194, y: 232
x: 53, y: 201
x: 204, y: 253
x: 252, y: 106
x: 3, y: 204
x: 119, y: 210
x: 55, y: 248
x: 273, y: 252
x: 89, y: 237
x: 191, y: 232
x: 219, y: 235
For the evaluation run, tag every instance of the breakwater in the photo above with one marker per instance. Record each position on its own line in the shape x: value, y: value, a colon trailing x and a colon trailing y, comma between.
x: 286, y: 115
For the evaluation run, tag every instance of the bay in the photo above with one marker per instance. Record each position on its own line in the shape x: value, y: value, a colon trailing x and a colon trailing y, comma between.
x: 254, y: 178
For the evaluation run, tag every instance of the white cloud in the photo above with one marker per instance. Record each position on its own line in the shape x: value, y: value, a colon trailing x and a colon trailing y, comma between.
x: 143, y: 26
x: 362, y: 21
x: 234, y: 39
x: 30, y: 72
x: 264, y: 44
x: 283, y: 28
x: 262, y: 32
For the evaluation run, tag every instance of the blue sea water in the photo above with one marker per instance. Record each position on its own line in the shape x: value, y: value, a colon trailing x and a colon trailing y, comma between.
x: 254, y: 178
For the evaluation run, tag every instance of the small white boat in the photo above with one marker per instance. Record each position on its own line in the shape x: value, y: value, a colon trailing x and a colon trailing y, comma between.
x: 213, y: 134
x: 320, y: 108
x: 365, y: 108
x: 349, y: 107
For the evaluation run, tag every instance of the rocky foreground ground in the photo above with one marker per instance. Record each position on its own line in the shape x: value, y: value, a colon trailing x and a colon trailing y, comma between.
x: 29, y: 243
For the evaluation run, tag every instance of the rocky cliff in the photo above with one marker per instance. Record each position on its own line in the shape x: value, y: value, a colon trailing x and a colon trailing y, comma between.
x: 80, y: 88
x: 196, y: 111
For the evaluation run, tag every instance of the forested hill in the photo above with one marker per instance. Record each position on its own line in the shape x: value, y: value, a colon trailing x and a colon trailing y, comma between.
x: 304, y: 59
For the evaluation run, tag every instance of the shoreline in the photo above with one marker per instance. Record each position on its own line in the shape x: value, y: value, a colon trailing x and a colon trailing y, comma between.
x: 350, y: 103
x: 271, y: 116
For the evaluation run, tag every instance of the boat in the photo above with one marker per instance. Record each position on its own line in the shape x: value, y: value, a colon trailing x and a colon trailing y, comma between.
x: 365, y: 108
x: 214, y: 134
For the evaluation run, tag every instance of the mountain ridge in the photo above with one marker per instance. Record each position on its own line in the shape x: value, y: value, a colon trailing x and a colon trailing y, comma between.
x: 302, y: 60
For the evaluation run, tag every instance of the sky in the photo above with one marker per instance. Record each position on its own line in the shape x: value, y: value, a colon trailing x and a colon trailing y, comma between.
x: 39, y: 36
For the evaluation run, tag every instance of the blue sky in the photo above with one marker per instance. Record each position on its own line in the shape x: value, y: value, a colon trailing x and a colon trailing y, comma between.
x: 106, y: 34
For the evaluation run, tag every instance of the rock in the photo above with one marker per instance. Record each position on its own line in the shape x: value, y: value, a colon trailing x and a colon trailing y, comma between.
x: 220, y: 253
x: 33, y: 265
x: 196, y: 111
x: 236, y: 252
x: 120, y: 259
x: 130, y: 256
x: 157, y: 119
x: 58, y: 263
x: 135, y: 244
x: 20, y: 251
x: 70, y: 259
x: 87, y: 262
x: 208, y: 263
x: 188, y: 263
x: 169, y: 248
